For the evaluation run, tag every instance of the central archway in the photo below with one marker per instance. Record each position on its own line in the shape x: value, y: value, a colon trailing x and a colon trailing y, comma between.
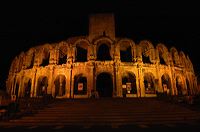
x: 104, y: 85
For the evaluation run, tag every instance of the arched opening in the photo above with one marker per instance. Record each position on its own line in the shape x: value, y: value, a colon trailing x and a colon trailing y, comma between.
x: 147, y: 50
x: 62, y: 58
x: 17, y: 90
x: 81, y: 53
x: 45, y: 60
x: 166, y: 84
x: 162, y: 61
x: 60, y: 84
x: 188, y: 87
x: 80, y: 85
x: 163, y: 53
x: 145, y: 59
x: 32, y: 61
x: 62, y: 55
x: 175, y: 56
x: 104, y: 85
x: 103, y: 53
x: 179, y: 86
x: 125, y: 53
x: 27, y: 88
x: 42, y: 86
x: 149, y: 83
x: 129, y: 83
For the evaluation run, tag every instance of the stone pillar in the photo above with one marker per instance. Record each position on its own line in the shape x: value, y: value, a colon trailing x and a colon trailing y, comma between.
x: 159, y: 86
x: 72, y: 85
x: 90, y: 79
x: 173, y: 82
x: 73, y: 53
x: 118, y: 83
x: 141, y: 88
x: 70, y: 69
x: 50, y: 88
x: 54, y: 56
x: 68, y: 83
x: 35, y: 84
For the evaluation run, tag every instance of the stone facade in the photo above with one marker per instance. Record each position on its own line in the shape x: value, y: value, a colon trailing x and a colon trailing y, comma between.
x: 102, y: 62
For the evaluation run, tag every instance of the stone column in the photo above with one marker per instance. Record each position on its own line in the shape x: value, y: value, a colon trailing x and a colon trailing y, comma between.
x: 68, y: 83
x: 51, y: 89
x: 118, y: 83
x: 141, y: 88
x: 173, y: 84
x: 72, y: 85
x: 90, y: 79
x: 54, y: 56
x: 70, y: 68
x: 35, y: 82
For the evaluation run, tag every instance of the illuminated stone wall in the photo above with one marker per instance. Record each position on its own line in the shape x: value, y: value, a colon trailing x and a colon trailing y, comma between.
x: 113, y: 66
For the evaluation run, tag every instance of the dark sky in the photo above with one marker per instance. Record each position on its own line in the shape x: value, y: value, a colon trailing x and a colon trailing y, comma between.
x: 23, y: 25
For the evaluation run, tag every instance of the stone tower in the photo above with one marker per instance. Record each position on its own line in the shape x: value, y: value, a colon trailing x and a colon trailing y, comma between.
x: 101, y: 25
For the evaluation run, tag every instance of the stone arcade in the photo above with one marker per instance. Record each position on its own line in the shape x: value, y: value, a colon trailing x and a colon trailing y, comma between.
x: 102, y: 62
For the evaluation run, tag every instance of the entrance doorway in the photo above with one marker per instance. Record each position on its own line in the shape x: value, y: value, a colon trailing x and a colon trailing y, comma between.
x: 104, y: 85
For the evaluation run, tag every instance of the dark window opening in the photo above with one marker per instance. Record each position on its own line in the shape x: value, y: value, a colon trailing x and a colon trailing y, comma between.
x: 124, y: 80
x: 188, y: 87
x: 32, y: 62
x: 80, y: 85
x: 149, y: 85
x: 130, y: 83
x: 104, y: 85
x: 42, y: 86
x: 166, y: 85
x: 28, y: 89
x: 103, y: 53
x: 60, y: 84
x: 162, y: 61
x: 146, y: 59
x: 17, y: 90
x: 104, y: 33
x: 45, y: 61
x: 126, y: 55
x: 62, y: 60
x: 179, y: 87
x: 81, y: 55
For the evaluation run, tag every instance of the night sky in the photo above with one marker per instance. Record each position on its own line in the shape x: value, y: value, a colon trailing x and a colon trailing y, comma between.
x: 23, y: 25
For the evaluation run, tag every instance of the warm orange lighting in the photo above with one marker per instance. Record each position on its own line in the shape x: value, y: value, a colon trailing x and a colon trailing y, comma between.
x: 101, y: 62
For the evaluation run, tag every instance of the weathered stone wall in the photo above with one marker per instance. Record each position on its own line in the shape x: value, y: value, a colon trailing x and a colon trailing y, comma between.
x: 58, y: 68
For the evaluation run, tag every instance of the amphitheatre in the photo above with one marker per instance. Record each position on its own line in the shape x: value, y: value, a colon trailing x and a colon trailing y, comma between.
x: 101, y: 82
x: 103, y: 63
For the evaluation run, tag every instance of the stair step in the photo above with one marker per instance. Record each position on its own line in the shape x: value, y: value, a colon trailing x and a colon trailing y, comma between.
x: 114, y: 112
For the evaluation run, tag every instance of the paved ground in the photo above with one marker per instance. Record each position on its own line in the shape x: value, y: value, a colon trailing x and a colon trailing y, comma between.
x: 189, y: 127
x: 160, y: 128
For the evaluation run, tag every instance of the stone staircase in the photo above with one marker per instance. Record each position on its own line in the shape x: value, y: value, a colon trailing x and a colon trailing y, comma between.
x: 114, y: 112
